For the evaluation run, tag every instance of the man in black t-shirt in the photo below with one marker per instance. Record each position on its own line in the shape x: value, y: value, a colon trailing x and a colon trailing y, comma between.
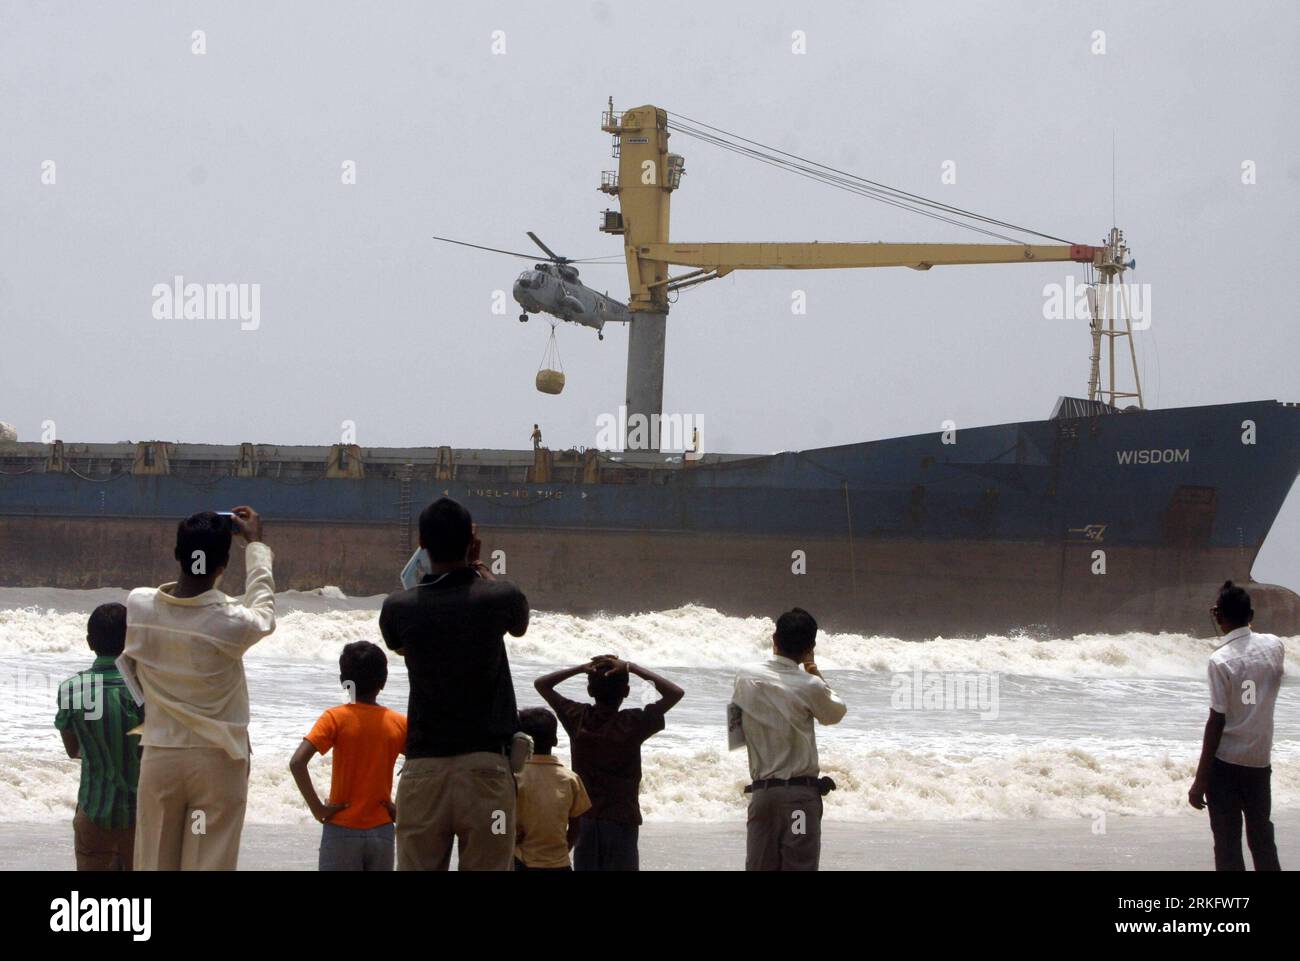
x: 461, y: 716
x: 606, y: 746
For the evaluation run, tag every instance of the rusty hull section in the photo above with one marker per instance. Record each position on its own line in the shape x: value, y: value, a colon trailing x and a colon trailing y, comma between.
x: 890, y: 588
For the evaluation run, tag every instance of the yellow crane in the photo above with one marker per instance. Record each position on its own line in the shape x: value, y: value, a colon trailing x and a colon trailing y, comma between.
x: 647, y: 175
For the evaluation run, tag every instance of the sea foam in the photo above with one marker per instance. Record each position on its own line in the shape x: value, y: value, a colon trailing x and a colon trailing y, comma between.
x: 705, y: 786
x: 695, y: 637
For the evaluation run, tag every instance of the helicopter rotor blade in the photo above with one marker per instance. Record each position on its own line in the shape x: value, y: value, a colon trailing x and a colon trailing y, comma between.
x: 549, y: 252
x: 602, y: 260
x: 495, y: 250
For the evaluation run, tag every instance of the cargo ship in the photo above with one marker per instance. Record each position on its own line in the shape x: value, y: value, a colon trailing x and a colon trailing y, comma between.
x: 1105, y: 517
x: 1093, y: 520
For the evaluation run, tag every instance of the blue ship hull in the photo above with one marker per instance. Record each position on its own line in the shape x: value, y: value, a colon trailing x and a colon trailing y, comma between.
x: 1103, y: 522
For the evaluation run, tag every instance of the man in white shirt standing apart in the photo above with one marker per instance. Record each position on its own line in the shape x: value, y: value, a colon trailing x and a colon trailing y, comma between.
x: 185, y: 645
x: 779, y: 701
x: 1234, y: 773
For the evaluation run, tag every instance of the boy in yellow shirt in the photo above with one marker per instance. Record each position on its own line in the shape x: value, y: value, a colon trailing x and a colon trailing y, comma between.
x: 551, y: 797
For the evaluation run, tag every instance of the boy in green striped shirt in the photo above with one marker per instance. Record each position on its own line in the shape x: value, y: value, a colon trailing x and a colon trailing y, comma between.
x: 96, y: 712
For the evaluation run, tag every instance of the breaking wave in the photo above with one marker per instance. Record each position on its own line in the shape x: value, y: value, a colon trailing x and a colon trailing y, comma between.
x: 685, y: 637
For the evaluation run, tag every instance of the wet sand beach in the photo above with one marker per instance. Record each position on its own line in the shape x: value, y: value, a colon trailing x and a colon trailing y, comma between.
x: 1180, y: 843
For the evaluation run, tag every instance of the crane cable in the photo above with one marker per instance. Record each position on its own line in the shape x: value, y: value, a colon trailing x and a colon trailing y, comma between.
x: 852, y: 183
x: 835, y: 177
x: 863, y: 187
x: 551, y: 358
x: 864, y: 192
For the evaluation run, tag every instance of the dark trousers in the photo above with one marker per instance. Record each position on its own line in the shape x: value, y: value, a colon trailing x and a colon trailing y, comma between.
x: 1235, y: 792
x: 606, y: 846
x: 784, y: 829
x: 101, y: 849
x: 520, y: 866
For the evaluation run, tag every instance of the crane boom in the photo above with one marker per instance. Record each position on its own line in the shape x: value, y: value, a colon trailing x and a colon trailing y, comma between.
x: 723, y: 258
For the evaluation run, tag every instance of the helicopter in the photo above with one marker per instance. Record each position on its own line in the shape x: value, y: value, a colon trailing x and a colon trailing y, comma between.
x: 552, y: 287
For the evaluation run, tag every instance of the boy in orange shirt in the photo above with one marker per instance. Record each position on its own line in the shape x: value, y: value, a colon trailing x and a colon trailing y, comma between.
x: 551, y: 797
x: 367, y: 738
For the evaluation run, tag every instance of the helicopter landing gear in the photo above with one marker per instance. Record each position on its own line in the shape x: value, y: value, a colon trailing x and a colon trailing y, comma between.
x: 600, y: 336
x: 523, y: 318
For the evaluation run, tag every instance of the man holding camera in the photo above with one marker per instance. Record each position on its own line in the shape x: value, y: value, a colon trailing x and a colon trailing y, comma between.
x: 185, y: 643
x: 457, y: 785
x: 779, y: 701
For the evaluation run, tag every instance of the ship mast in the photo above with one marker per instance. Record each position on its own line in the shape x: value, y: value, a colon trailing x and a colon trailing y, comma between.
x: 1111, y: 317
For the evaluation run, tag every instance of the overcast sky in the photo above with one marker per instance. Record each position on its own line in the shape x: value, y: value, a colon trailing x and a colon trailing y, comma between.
x: 226, y: 167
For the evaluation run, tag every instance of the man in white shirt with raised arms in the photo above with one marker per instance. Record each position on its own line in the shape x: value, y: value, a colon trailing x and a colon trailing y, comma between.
x: 1234, y: 775
x: 185, y: 646
x: 780, y: 700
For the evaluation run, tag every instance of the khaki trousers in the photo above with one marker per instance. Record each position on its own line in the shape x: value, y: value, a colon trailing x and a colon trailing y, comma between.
x: 189, y: 809
x: 99, y: 848
x: 469, y: 798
